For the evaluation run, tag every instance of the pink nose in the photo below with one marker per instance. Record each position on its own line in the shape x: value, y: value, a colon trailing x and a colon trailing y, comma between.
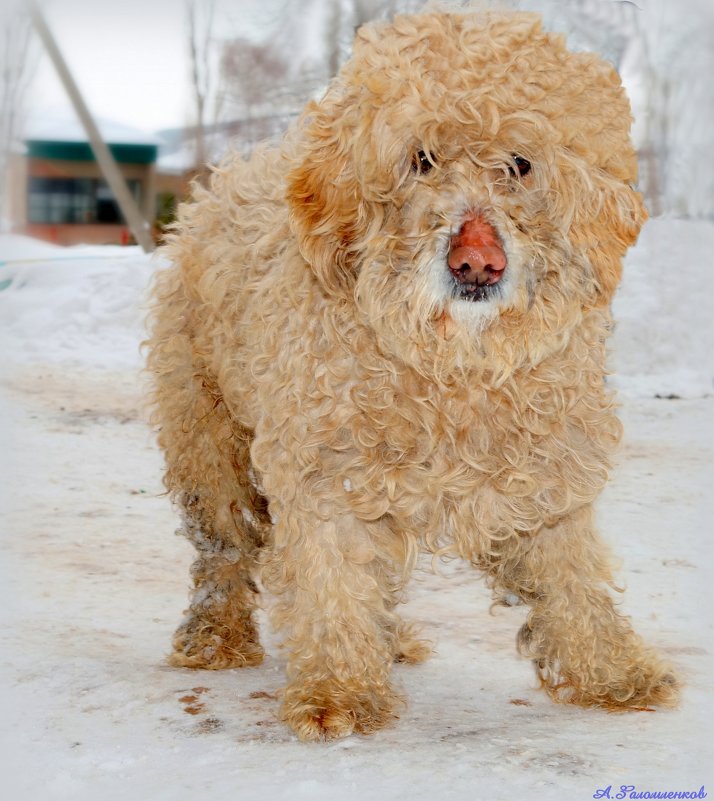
x: 476, y: 255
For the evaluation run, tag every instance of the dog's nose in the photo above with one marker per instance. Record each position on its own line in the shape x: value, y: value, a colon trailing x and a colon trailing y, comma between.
x: 476, y: 255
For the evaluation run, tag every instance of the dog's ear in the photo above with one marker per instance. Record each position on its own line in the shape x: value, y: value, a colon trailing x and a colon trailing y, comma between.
x: 323, y: 197
x: 599, y: 169
x: 607, y: 228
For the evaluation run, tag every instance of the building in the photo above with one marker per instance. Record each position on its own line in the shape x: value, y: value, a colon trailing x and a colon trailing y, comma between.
x: 56, y: 189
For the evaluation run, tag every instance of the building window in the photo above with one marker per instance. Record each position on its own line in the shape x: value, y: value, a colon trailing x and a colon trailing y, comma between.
x: 62, y: 201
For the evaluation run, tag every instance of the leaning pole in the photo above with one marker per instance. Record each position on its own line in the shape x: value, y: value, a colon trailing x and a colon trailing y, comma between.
x: 135, y: 220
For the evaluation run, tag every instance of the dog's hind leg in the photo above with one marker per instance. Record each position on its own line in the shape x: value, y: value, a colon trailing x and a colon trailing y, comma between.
x: 585, y: 652
x: 224, y: 517
x: 218, y: 630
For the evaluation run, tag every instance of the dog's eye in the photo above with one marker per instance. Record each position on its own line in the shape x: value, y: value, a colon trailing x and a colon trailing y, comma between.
x: 522, y: 167
x: 421, y: 164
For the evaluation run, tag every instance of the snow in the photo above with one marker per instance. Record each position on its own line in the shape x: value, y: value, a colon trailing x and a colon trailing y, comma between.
x: 78, y: 305
x: 92, y: 581
x: 59, y: 125
x: 664, y: 339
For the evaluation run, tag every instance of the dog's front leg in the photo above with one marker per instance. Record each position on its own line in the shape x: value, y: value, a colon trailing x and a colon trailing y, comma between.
x: 585, y: 652
x: 335, y: 608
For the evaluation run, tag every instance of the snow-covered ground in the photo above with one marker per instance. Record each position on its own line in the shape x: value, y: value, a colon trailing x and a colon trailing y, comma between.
x: 93, y: 581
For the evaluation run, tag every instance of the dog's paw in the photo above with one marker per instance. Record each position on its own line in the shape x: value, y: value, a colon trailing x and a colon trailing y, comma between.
x: 203, y: 644
x: 410, y: 649
x: 330, y: 711
x: 648, y: 683
x: 636, y: 685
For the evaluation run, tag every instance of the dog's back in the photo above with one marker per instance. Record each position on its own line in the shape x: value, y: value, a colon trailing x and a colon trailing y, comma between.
x: 239, y: 219
x: 231, y: 238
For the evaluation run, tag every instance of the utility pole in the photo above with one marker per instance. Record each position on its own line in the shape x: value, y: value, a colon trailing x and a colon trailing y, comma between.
x: 137, y: 224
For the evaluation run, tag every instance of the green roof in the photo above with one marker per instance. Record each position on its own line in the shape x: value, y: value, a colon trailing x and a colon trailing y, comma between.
x: 81, y: 151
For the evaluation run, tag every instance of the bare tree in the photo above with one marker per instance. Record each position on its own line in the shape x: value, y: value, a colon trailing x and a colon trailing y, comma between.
x: 17, y: 62
x: 200, y: 15
x: 295, y: 61
x: 253, y: 77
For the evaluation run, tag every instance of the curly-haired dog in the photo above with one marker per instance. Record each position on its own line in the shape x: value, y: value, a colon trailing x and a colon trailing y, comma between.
x: 387, y: 335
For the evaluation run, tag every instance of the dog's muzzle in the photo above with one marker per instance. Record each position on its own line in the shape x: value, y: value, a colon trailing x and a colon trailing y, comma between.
x: 477, y: 261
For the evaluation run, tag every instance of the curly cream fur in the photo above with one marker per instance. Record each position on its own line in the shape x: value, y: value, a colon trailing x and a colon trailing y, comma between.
x: 327, y: 406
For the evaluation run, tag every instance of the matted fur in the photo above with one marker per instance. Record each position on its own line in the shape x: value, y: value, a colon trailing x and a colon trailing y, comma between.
x: 328, y: 407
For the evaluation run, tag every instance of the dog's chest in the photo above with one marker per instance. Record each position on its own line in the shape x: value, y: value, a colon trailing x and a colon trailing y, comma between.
x: 459, y: 464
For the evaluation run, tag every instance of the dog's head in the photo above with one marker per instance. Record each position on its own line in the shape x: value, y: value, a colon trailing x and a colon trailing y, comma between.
x: 467, y: 180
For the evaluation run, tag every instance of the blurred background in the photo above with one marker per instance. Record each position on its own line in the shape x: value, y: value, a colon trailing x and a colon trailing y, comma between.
x: 174, y: 84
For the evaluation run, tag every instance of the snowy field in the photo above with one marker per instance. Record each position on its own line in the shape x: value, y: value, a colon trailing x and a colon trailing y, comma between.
x: 94, y: 581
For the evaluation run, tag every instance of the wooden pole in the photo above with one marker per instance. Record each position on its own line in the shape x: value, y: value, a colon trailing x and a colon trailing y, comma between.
x: 137, y: 224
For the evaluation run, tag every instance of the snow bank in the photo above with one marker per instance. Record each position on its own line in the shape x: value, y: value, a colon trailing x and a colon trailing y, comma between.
x: 81, y: 305
x: 664, y: 335
x: 86, y: 305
